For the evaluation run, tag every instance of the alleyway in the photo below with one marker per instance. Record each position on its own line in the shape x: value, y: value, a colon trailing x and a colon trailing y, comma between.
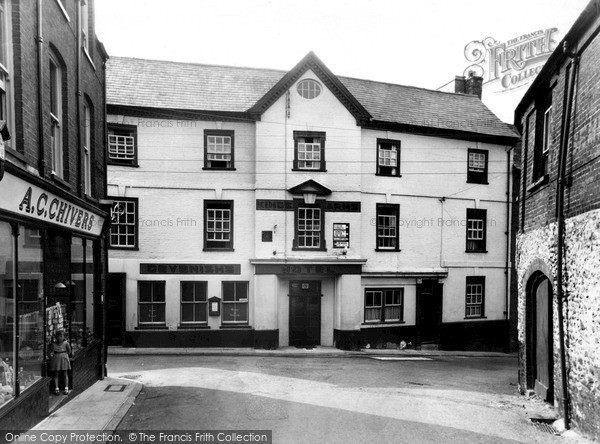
x: 331, y: 400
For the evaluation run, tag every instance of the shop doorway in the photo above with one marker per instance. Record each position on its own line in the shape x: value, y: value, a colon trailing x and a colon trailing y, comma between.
x: 305, y: 313
x: 115, y: 313
x: 540, y: 330
x: 429, y: 311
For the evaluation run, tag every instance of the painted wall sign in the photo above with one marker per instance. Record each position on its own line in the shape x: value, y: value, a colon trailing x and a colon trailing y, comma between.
x: 19, y: 197
x: 308, y: 269
x: 341, y: 235
x: 288, y: 205
x: 190, y: 269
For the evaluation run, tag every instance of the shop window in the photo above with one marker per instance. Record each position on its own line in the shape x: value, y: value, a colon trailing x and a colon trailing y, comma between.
x: 151, y: 303
x: 387, y: 227
x: 476, y: 230
x: 124, y: 223
x: 309, y: 151
x: 477, y: 167
x: 388, y: 157
x: 218, y: 225
x: 218, y: 150
x: 194, y: 303
x: 235, y: 303
x: 384, y: 305
x: 122, y: 145
x: 7, y: 308
x: 81, y: 307
x: 475, y: 297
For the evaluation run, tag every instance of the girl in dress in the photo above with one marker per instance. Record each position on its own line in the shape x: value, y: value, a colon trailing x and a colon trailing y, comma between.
x: 60, y: 352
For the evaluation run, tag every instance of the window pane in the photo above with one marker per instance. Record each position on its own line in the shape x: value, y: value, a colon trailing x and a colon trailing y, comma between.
x: 145, y: 292
x: 228, y: 291
x: 7, y: 312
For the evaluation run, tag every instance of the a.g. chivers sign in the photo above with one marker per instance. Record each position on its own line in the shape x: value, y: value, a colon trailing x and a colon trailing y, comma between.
x: 22, y: 198
x: 512, y: 64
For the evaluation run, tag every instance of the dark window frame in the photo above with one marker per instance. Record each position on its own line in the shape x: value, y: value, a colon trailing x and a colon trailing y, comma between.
x: 480, y: 215
x: 543, y: 137
x: 226, y: 133
x: 135, y: 200
x: 224, y: 302
x: 396, y: 210
x: 164, y: 303
x: 219, y: 204
x: 321, y: 135
x: 382, y: 318
x: 193, y: 303
x: 380, y: 169
x: 298, y: 205
x: 132, y: 129
x: 477, y: 176
x: 475, y: 280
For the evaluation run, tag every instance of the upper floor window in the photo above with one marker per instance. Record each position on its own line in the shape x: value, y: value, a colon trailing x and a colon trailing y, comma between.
x: 309, y: 151
x: 124, y: 223
x: 56, y: 116
x: 87, y: 144
x: 477, y: 168
x: 218, y: 150
x: 475, y: 297
x: 122, y: 144
x: 308, y: 88
x: 85, y: 25
x: 543, y: 139
x: 218, y: 225
x: 476, y: 230
x: 6, y: 92
x: 387, y: 227
x: 309, y: 228
x: 388, y: 157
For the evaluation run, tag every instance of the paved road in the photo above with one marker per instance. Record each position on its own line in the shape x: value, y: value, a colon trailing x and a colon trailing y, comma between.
x: 335, y: 400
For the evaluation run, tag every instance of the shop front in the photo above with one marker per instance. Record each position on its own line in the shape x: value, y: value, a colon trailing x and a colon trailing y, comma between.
x: 50, y: 279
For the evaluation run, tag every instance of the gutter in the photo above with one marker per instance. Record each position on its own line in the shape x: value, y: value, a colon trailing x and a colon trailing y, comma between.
x: 40, y: 87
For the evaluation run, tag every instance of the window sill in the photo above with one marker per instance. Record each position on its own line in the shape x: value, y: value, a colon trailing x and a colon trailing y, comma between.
x: 309, y: 171
x: 91, y: 199
x: 14, y: 153
x: 193, y: 327
x: 89, y: 57
x: 481, y: 182
x: 123, y: 248
x: 217, y: 249
x: 388, y: 175
x: 63, y: 10
x: 61, y: 182
x: 235, y: 327
x: 476, y: 251
x: 384, y: 324
x: 474, y: 317
x: 308, y: 249
x: 388, y: 250
x: 218, y: 169
x: 538, y: 183
x: 122, y: 164
x: 151, y: 327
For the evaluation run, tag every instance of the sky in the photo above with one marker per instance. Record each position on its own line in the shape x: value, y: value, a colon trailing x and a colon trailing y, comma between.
x: 417, y: 43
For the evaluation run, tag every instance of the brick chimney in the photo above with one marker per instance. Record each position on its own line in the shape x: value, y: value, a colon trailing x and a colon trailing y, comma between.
x: 473, y: 84
x: 459, y: 84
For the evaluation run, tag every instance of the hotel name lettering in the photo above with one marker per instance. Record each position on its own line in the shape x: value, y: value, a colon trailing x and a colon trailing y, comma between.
x: 288, y: 205
x: 56, y: 210
x: 190, y: 269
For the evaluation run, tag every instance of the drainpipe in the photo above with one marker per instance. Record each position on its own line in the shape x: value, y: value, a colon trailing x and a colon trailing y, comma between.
x: 40, y: 87
x: 78, y: 95
x: 508, y: 241
x: 560, y: 203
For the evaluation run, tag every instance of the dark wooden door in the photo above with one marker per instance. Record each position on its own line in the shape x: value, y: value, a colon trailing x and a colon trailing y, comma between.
x: 305, y: 313
x: 429, y: 311
x: 543, y: 341
x: 115, y: 313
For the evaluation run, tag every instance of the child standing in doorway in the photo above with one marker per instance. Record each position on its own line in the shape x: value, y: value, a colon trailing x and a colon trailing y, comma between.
x: 60, y: 352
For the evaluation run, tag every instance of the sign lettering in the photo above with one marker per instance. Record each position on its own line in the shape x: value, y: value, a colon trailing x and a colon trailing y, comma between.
x: 190, y: 269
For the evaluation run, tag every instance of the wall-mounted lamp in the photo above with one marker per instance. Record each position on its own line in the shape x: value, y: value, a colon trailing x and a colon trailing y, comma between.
x: 310, y: 198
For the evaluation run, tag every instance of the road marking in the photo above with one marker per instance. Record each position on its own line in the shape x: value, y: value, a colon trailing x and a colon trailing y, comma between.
x: 400, y: 358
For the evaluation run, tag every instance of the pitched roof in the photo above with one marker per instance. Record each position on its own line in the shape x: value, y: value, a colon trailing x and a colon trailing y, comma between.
x: 195, y: 87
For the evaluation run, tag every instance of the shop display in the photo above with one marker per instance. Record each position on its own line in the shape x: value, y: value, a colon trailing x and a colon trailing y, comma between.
x: 6, y: 381
x: 56, y: 320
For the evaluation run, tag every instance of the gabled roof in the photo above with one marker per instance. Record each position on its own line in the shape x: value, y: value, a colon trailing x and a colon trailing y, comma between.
x: 310, y: 186
x: 206, y: 89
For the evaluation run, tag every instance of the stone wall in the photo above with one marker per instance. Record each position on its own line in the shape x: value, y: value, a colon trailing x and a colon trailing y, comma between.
x: 537, y: 252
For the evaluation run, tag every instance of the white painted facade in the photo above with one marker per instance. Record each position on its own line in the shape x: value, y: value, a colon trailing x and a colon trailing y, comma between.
x: 432, y: 193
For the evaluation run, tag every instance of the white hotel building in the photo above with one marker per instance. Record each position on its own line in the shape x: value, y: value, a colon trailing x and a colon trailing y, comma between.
x: 263, y: 208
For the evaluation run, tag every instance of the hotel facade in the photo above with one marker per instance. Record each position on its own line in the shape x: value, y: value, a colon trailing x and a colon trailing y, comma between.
x: 262, y: 208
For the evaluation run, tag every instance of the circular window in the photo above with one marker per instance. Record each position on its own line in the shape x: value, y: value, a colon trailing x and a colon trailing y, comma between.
x: 309, y: 88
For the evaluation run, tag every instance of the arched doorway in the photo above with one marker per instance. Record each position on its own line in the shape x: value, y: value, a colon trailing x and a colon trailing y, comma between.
x: 540, y: 367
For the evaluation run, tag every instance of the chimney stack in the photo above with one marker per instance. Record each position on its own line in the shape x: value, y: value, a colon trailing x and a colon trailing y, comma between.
x: 473, y: 84
x: 459, y: 84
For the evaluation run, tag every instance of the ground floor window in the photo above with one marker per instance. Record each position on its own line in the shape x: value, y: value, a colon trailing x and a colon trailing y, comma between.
x: 151, y: 303
x: 193, y: 302
x: 235, y: 303
x: 384, y: 304
x: 475, y: 297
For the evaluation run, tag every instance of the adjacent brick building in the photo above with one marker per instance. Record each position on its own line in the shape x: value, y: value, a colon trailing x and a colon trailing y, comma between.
x: 558, y: 244
x: 52, y: 183
x: 264, y: 208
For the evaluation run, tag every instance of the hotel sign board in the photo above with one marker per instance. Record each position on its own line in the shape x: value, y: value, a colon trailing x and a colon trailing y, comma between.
x: 190, y: 268
x: 21, y: 198
x: 341, y: 235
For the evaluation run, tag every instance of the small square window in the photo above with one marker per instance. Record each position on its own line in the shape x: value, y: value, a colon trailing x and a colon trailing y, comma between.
x: 218, y: 150
x: 477, y: 167
x: 218, y: 225
x: 124, y: 223
x: 122, y: 145
x: 309, y: 151
x: 388, y: 157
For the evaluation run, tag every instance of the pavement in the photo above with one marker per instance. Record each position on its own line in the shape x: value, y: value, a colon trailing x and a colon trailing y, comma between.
x: 103, y: 406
